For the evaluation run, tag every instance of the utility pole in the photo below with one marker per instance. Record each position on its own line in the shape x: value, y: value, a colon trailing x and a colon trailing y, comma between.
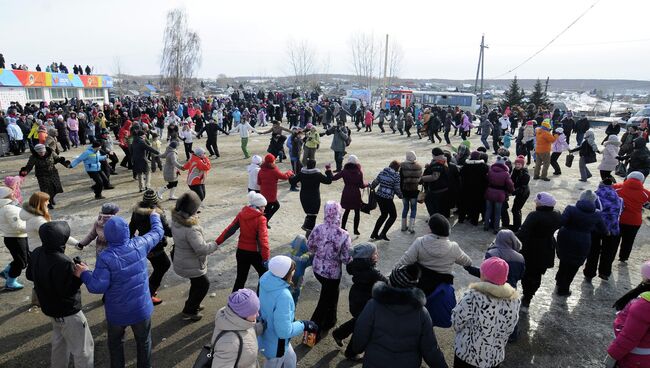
x: 480, y: 67
x: 385, y: 87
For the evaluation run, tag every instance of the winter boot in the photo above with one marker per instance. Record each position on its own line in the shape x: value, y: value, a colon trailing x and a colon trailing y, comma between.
x: 12, y: 284
x: 404, y: 228
x: 161, y: 191
x: 411, y: 225
x: 5, y: 273
x: 172, y: 197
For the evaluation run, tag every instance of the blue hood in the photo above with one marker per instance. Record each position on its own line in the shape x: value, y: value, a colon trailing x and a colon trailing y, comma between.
x: 270, y: 283
x: 116, y: 231
x: 586, y: 206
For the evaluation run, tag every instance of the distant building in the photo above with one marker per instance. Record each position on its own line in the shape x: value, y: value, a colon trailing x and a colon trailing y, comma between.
x: 25, y: 86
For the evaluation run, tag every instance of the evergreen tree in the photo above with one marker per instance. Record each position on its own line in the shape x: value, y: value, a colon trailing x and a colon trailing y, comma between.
x: 513, y: 96
x: 538, y: 97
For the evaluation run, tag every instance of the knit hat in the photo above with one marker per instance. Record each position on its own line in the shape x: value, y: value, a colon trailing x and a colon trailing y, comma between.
x: 559, y: 130
x: 97, y: 144
x: 638, y: 175
x: 269, y: 158
x: 530, y: 122
x: 475, y: 155
x: 364, y: 250
x: 187, y: 204
x: 109, y: 208
x: 500, y: 160
x: 199, y: 151
x: 439, y: 225
x: 256, y: 160
x: 404, y: 276
x: 244, y: 302
x: 645, y: 270
x: 256, y: 199
x: 495, y: 270
x: 588, y: 196
x: 544, y: 199
x: 173, y: 144
x: 280, y: 266
x: 39, y: 148
x: 5, y: 192
x: 437, y: 151
x: 411, y: 157
x: 309, y: 126
x: 520, y: 160
x: 546, y: 124
x: 506, y: 238
x: 353, y: 160
x: 149, y: 197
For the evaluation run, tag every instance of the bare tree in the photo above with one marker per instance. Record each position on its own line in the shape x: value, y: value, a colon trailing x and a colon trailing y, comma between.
x: 395, y: 57
x: 117, y: 70
x: 302, y: 59
x: 364, y: 54
x: 181, y: 54
x: 326, y: 65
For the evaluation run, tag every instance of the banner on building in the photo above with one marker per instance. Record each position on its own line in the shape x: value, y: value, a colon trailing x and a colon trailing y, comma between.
x: 27, y: 78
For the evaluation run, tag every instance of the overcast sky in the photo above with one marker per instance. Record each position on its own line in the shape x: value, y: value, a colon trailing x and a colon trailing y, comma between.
x: 440, y: 39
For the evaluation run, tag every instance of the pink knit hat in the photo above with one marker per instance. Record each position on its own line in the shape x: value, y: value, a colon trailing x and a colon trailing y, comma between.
x: 495, y: 270
x: 645, y: 270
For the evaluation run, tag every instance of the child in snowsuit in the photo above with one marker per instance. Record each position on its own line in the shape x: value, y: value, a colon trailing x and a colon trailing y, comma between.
x: 302, y: 258
x: 97, y: 232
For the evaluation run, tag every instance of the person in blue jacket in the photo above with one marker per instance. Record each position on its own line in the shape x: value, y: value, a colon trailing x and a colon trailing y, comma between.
x: 92, y: 163
x: 121, y: 275
x: 277, y: 310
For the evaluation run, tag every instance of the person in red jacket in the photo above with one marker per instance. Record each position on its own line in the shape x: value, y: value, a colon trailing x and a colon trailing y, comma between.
x: 198, y: 166
x: 267, y: 179
x: 253, y: 245
x: 123, y: 140
x: 634, y: 196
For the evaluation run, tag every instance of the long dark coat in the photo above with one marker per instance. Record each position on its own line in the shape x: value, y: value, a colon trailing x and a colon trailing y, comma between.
x: 353, y: 179
x: 45, y: 171
x: 139, y: 149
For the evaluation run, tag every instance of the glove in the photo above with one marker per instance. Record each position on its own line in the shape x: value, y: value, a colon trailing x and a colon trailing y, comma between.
x: 79, y: 246
x: 310, y: 326
x: 610, y: 362
x: 266, y: 264
x: 22, y: 173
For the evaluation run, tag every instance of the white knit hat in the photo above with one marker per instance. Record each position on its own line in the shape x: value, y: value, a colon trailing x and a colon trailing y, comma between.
x: 638, y: 175
x: 5, y: 192
x: 353, y: 159
x: 256, y: 199
x: 280, y: 266
x: 256, y: 159
x: 199, y: 151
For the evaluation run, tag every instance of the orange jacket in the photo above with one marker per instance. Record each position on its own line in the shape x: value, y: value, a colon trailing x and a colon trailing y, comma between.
x: 544, y: 141
x: 197, y: 168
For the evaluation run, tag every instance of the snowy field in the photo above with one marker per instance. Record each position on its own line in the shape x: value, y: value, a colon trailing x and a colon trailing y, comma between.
x: 557, y: 332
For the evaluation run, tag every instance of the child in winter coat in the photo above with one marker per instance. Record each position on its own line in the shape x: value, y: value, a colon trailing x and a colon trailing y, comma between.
x: 588, y: 150
x: 632, y: 329
x: 268, y: 178
x: 171, y: 170
x: 500, y: 185
x: 12, y: 229
x: 197, y: 167
x: 520, y: 179
x: 365, y: 274
x: 394, y: 329
x: 253, y: 169
x: 507, y: 140
x: 303, y: 259
x: 609, y: 161
x: 236, y: 330
x: 480, y: 336
x: 253, y: 244
x: 560, y: 145
x: 97, y: 232
x: 14, y: 183
x: 278, y: 311
x: 634, y: 196
x: 155, y: 159
x: 574, y: 238
x: 604, y: 246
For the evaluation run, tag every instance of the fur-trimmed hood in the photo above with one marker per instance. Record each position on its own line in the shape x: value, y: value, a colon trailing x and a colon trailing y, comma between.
x: 184, y: 221
x: 398, y: 300
x: 504, y: 291
x: 142, y: 209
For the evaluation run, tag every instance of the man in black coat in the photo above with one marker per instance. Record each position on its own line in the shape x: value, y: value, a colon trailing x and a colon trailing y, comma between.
x: 538, y: 244
x: 473, y: 179
x: 582, y: 125
x: 58, y: 292
x: 211, y: 129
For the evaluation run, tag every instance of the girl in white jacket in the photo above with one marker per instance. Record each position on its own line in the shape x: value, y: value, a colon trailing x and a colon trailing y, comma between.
x: 253, y: 169
x: 187, y: 135
x: 15, y: 239
x: 609, y: 161
x: 485, y: 317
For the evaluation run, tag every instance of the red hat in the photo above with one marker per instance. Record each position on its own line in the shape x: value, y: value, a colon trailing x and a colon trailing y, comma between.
x: 520, y: 160
x: 269, y: 158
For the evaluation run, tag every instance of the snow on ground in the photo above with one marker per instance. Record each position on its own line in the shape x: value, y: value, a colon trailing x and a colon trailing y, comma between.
x: 558, y: 332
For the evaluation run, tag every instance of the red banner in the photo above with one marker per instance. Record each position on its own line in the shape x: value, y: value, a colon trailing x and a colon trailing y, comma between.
x: 32, y: 79
x: 90, y: 81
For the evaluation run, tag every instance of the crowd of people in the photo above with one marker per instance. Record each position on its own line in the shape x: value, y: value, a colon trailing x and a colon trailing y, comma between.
x: 54, y: 67
x: 392, y: 315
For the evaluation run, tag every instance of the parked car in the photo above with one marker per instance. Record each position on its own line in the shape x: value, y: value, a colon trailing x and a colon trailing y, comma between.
x: 644, y: 113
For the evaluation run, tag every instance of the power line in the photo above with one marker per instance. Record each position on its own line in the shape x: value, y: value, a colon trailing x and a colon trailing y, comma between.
x: 611, y: 42
x: 550, y: 42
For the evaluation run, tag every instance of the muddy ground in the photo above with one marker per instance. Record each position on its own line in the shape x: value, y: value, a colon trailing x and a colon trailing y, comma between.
x: 558, y: 332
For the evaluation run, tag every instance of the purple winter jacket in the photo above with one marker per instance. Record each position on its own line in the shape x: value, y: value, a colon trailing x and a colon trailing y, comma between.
x: 353, y: 179
x: 499, y: 183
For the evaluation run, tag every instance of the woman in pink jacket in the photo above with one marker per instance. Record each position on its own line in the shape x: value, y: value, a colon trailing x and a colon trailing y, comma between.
x: 631, y: 347
x: 73, y: 128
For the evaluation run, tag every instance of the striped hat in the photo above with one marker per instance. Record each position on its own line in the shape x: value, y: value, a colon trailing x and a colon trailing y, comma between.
x: 404, y: 276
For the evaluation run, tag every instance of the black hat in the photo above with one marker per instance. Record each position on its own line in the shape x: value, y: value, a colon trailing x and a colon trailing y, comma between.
x: 97, y: 144
x: 187, y: 204
x: 437, y: 152
x: 149, y: 197
x: 405, y: 276
x: 439, y: 225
